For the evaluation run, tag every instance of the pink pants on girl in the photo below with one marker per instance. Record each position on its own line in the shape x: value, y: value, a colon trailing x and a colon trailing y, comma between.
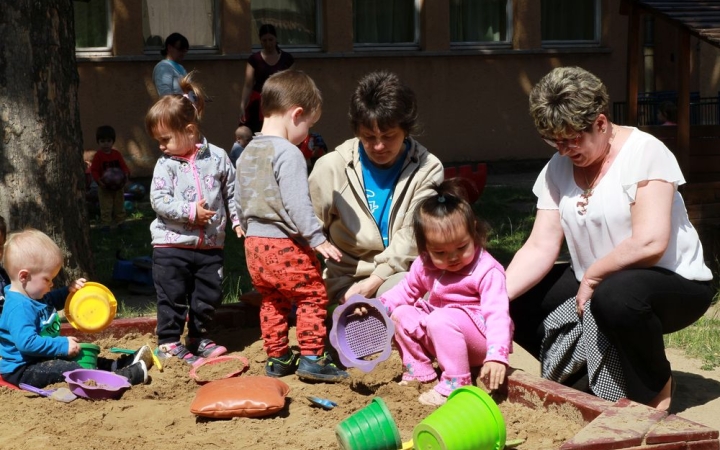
x: 424, y: 333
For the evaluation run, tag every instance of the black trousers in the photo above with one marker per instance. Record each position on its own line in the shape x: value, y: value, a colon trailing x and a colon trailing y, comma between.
x: 189, y: 285
x: 633, y: 309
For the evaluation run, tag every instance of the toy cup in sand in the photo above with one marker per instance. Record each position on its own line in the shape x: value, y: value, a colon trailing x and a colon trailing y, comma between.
x: 470, y: 420
x: 371, y: 428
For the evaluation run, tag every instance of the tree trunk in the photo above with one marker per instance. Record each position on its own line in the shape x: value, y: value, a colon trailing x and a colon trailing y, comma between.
x: 41, y: 164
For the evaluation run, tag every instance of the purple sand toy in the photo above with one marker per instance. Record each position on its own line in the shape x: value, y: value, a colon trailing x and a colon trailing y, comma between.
x: 96, y: 384
x: 358, y: 336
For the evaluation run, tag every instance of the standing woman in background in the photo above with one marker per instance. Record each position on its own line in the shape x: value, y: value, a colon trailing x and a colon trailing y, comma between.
x: 269, y: 60
x: 169, y: 71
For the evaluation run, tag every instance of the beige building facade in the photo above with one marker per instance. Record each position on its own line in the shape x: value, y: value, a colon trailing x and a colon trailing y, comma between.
x: 472, y: 93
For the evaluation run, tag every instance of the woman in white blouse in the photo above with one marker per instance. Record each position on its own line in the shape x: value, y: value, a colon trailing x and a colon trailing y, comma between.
x: 610, y: 193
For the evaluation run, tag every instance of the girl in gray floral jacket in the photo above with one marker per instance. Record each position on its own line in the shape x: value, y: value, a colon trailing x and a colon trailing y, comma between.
x: 192, y: 184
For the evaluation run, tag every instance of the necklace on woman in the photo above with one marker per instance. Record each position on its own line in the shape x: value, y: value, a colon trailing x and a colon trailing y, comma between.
x: 588, y: 192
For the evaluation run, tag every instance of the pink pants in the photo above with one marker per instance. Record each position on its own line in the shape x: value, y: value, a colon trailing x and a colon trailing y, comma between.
x: 445, y: 334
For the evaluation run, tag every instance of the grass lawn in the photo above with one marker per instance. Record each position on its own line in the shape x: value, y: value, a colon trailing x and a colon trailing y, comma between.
x: 509, y: 212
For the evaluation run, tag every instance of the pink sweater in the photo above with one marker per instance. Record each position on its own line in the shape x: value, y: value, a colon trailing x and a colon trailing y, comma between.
x: 478, y: 289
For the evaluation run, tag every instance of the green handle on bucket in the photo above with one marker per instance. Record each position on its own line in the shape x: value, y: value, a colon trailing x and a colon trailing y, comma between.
x: 127, y: 351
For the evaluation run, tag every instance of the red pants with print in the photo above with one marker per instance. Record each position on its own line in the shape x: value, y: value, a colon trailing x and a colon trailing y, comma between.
x: 286, y: 273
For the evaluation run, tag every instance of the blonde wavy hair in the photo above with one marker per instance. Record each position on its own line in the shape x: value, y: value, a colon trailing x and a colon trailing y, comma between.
x: 567, y: 101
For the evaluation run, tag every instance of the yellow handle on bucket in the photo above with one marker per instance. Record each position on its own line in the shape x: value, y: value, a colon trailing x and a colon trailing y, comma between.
x: 408, y: 445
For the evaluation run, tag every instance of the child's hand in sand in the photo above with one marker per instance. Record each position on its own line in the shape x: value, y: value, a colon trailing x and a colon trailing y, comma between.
x: 493, y: 374
x: 73, y: 346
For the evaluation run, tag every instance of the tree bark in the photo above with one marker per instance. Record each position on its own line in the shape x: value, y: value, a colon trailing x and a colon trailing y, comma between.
x: 41, y: 164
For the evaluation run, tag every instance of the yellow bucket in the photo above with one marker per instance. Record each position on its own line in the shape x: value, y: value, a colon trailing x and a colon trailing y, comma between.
x: 91, y: 308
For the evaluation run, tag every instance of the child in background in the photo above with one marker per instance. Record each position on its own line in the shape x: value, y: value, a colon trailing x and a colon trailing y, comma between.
x: 31, y: 347
x: 312, y: 148
x: 464, y: 321
x: 191, y: 192
x: 243, y: 136
x: 4, y: 278
x: 282, y: 232
x: 110, y: 192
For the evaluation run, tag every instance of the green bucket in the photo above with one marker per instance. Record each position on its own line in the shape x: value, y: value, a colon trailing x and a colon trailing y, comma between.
x: 88, y: 355
x: 371, y: 428
x: 469, y: 420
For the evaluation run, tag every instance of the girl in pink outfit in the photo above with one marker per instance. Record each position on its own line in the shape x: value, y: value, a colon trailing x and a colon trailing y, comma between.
x: 453, y: 305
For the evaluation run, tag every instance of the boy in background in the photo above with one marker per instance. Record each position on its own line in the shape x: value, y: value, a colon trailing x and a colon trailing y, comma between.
x: 243, y: 136
x: 109, y: 170
x: 282, y: 233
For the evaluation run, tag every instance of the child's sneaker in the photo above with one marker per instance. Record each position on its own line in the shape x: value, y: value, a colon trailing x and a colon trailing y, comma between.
x: 143, y: 354
x: 281, y: 365
x: 177, y: 350
x: 204, y: 347
x: 136, y: 373
x: 320, y: 369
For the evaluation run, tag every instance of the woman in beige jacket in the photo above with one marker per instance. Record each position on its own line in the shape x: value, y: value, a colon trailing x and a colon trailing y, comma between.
x: 365, y: 192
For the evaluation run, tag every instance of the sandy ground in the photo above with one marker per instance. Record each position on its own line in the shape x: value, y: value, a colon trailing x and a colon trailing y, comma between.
x: 158, y: 415
x: 697, y: 396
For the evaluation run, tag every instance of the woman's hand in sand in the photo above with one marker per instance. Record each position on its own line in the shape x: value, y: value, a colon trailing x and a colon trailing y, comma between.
x: 367, y: 287
x: 493, y: 374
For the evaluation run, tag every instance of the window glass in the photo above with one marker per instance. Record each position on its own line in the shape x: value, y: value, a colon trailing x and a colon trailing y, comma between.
x: 92, y: 22
x: 478, y: 20
x: 194, y: 19
x: 569, y: 20
x: 296, y: 21
x: 385, y: 21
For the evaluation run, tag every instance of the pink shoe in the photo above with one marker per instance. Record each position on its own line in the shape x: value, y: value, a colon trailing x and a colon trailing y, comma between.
x: 205, y: 348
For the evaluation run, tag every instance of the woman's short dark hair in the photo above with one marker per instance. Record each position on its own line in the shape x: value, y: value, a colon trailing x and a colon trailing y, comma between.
x: 173, y: 39
x: 267, y: 28
x: 382, y: 99
x: 567, y: 101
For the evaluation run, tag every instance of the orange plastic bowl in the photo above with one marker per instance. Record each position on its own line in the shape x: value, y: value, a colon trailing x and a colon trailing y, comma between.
x: 91, y: 308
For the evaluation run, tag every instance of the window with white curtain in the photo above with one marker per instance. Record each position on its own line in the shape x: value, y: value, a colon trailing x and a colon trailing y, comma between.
x: 297, y: 22
x: 480, y: 21
x: 194, y: 19
x: 386, y: 22
x: 570, y: 21
x: 92, y: 25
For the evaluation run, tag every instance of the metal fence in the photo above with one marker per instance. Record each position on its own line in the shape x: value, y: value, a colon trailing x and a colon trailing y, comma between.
x: 703, y: 110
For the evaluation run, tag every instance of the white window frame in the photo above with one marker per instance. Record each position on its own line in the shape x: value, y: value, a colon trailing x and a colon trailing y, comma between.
x: 400, y: 45
x: 507, y: 43
x: 99, y: 51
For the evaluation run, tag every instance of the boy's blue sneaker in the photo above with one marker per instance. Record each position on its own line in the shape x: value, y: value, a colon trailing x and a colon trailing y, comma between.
x: 320, y: 368
x: 280, y: 366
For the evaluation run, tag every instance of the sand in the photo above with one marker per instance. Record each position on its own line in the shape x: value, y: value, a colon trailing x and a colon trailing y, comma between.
x: 157, y: 415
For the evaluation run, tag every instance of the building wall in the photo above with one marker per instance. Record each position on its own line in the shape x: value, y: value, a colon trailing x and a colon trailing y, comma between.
x: 473, y: 103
